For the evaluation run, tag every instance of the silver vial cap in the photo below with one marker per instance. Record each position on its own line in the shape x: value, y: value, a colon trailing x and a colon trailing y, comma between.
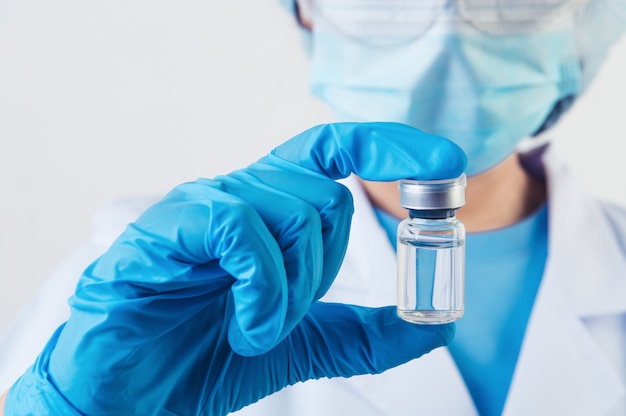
x: 437, y: 194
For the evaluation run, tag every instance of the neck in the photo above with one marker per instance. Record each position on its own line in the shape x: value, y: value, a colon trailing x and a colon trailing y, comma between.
x: 500, y: 197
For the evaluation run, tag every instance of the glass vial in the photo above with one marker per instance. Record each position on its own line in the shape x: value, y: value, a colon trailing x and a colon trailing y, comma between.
x: 431, y: 251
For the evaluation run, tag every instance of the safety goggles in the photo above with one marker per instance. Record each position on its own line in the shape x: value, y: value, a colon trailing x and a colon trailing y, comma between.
x: 414, y: 17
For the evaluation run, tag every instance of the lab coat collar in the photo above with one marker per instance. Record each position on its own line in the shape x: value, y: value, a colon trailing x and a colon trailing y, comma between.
x: 586, y: 243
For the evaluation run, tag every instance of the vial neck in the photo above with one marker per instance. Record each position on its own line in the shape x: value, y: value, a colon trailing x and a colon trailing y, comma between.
x: 432, y: 214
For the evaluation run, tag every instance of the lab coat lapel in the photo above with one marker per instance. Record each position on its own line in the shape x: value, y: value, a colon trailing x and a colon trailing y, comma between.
x: 560, y: 369
x: 556, y: 375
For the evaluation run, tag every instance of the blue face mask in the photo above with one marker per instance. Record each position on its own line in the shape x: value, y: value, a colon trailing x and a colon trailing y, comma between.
x: 484, y: 92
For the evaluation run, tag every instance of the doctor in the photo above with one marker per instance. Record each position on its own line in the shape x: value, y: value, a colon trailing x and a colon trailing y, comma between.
x: 544, y: 330
x: 175, y: 320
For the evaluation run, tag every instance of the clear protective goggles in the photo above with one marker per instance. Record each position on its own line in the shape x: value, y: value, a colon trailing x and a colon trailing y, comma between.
x: 414, y: 17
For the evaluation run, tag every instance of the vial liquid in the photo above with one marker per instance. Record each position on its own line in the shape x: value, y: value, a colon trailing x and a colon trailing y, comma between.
x: 431, y: 252
x: 431, y: 269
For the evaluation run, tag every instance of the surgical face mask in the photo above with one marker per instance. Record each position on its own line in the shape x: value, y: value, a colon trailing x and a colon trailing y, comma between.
x: 486, y: 89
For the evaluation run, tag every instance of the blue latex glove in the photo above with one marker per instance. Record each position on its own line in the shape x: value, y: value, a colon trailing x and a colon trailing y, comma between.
x: 208, y: 302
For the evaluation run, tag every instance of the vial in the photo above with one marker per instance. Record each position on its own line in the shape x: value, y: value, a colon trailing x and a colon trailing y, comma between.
x: 431, y: 251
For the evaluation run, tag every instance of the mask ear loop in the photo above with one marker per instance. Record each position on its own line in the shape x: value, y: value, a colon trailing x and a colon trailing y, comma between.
x: 318, y: 15
x: 503, y: 26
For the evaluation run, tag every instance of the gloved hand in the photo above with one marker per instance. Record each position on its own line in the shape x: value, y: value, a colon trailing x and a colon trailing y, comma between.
x: 208, y: 302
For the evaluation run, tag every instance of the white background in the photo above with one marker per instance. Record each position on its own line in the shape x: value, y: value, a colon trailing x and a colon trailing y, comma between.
x: 106, y: 99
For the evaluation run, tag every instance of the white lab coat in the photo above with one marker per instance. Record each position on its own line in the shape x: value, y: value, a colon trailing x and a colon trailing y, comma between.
x: 573, y: 358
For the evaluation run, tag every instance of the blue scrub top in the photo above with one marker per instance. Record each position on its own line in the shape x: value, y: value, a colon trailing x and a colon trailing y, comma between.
x: 502, y: 275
